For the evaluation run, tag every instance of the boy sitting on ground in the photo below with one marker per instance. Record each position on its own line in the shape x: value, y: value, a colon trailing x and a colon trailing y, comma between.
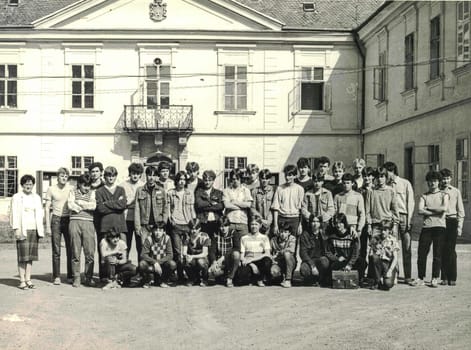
x: 195, y: 255
x: 283, y: 249
x: 157, y: 262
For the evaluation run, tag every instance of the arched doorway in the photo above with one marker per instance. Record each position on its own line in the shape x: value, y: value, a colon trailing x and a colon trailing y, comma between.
x: 158, y: 157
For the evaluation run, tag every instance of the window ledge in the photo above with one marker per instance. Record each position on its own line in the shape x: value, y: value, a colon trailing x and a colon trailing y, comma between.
x: 434, y: 81
x: 462, y: 70
x: 381, y: 104
x: 81, y: 111
x: 409, y: 92
x: 4, y: 110
x: 312, y: 113
x: 235, y: 112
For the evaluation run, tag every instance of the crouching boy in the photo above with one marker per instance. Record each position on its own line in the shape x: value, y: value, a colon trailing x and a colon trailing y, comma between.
x: 195, y: 255
x: 157, y: 264
x: 283, y: 249
x: 383, y: 258
x: 311, y: 247
x: 119, y: 270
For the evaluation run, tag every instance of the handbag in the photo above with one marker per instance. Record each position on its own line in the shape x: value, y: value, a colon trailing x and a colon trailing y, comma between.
x: 345, y: 279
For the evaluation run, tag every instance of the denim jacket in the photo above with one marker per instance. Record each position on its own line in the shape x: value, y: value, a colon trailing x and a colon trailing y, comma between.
x: 316, y: 205
x: 143, y: 205
x: 188, y: 204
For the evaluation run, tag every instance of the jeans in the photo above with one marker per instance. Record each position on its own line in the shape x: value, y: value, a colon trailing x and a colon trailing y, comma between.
x: 179, y: 235
x: 197, y: 269
x: 322, y: 265
x: 148, y: 272
x: 449, y: 252
x: 82, y: 234
x: 60, y: 226
x: 429, y: 235
x: 129, y: 234
x: 287, y: 264
x: 211, y: 228
x: 406, y: 240
x: 378, y: 268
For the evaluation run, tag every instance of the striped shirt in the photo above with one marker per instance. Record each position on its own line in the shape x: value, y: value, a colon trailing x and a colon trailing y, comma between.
x: 86, y: 207
x: 342, y: 246
x: 351, y: 204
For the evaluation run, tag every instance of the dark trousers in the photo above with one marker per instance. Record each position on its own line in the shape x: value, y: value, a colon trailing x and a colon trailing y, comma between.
x: 378, y: 268
x: 211, y: 228
x: 179, y: 235
x: 148, y: 272
x: 101, y: 266
x: 122, y: 272
x: 245, y: 274
x: 59, y: 227
x: 449, y: 250
x: 292, y: 222
x: 429, y: 235
x: 197, y: 269
x: 287, y: 264
x: 322, y: 265
x: 363, y: 246
x: 139, y: 240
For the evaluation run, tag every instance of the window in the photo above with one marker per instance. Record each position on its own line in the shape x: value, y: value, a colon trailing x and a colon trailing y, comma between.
x: 435, y: 48
x: 309, y: 7
x: 8, y: 176
x: 82, y: 86
x: 80, y: 164
x: 380, y: 78
x: 235, y: 88
x: 374, y: 160
x: 312, y: 88
x: 463, y: 22
x: 12, y: 2
x: 434, y: 157
x: 233, y: 163
x: 158, y: 86
x: 409, y: 62
x: 462, y: 166
x: 8, y: 85
x: 409, y: 164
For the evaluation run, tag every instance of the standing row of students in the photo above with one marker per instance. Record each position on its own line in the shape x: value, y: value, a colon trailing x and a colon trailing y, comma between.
x: 249, y: 232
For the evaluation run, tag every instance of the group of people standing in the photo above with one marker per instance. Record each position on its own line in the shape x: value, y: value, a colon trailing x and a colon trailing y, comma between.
x: 187, y: 231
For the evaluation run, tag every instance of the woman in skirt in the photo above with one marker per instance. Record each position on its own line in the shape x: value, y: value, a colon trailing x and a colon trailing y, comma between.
x: 26, y: 219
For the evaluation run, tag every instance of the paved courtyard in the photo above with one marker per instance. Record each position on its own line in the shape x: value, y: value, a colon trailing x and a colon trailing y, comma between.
x: 62, y: 317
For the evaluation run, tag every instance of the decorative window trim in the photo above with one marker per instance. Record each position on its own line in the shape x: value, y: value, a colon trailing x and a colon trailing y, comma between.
x: 6, y: 170
x: 460, y: 25
x: 84, y: 162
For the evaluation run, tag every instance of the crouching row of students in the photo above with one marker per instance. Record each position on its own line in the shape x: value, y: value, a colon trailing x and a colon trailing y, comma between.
x: 254, y: 259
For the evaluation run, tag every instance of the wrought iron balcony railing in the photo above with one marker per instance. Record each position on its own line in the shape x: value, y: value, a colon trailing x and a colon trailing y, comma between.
x: 158, y: 118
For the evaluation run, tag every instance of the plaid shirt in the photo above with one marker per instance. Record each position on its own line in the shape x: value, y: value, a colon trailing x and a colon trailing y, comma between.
x: 157, y: 250
x: 384, y: 248
x: 345, y: 246
x: 224, y: 245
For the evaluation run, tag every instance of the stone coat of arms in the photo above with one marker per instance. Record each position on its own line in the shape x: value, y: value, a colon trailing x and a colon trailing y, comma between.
x: 157, y: 10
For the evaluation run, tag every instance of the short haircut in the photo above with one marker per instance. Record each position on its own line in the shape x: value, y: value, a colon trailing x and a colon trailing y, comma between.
x: 63, y: 170
x: 256, y: 218
x: 112, y: 233
x: 303, y: 162
x: 338, y: 165
x: 347, y: 177
x: 25, y: 178
x: 369, y: 171
x: 94, y: 165
x: 110, y: 171
x: 390, y: 166
x: 381, y: 171
x: 135, y: 168
x: 252, y: 168
x: 84, y: 179
x: 359, y: 161
x: 180, y: 175
x: 209, y: 174
x: 236, y: 174
x: 163, y: 165
x: 445, y: 172
x: 192, y: 166
x: 312, y: 217
x: 224, y: 221
x: 323, y: 160
x: 264, y: 174
x: 433, y: 176
x: 340, y: 217
x: 285, y: 227
x: 151, y: 170
x: 158, y: 225
x: 317, y: 177
x: 290, y: 169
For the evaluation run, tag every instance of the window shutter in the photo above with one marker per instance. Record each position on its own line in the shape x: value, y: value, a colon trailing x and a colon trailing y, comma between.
x: 327, y: 97
x: 294, y: 99
x: 375, y: 84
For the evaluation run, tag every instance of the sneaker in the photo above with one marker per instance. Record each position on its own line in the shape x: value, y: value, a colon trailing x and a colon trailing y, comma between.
x: 452, y: 283
x: 163, y: 285
x: 229, y: 283
x: 417, y: 283
x: 76, y: 283
x: 443, y: 282
x: 70, y: 280
x: 116, y: 284
x: 57, y: 281
x: 434, y: 283
x: 189, y: 284
x: 203, y: 284
x: 260, y: 284
x: 286, y: 284
x: 146, y: 285
x: 109, y: 285
x: 89, y: 282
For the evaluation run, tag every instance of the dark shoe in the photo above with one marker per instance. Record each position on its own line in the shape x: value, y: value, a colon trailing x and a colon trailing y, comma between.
x: 452, y: 283
x: 30, y: 285
x: 444, y: 282
x: 89, y: 282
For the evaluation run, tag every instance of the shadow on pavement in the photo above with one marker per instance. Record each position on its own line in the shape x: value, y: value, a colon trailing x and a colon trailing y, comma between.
x: 10, y: 282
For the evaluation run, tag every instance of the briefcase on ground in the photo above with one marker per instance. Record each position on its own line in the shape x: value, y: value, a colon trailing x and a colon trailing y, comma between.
x: 345, y: 280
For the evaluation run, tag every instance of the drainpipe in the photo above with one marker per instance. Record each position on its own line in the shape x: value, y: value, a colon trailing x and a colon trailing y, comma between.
x: 361, y: 50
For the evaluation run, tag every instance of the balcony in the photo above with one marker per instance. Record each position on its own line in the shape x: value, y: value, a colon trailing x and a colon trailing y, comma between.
x: 144, y: 118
